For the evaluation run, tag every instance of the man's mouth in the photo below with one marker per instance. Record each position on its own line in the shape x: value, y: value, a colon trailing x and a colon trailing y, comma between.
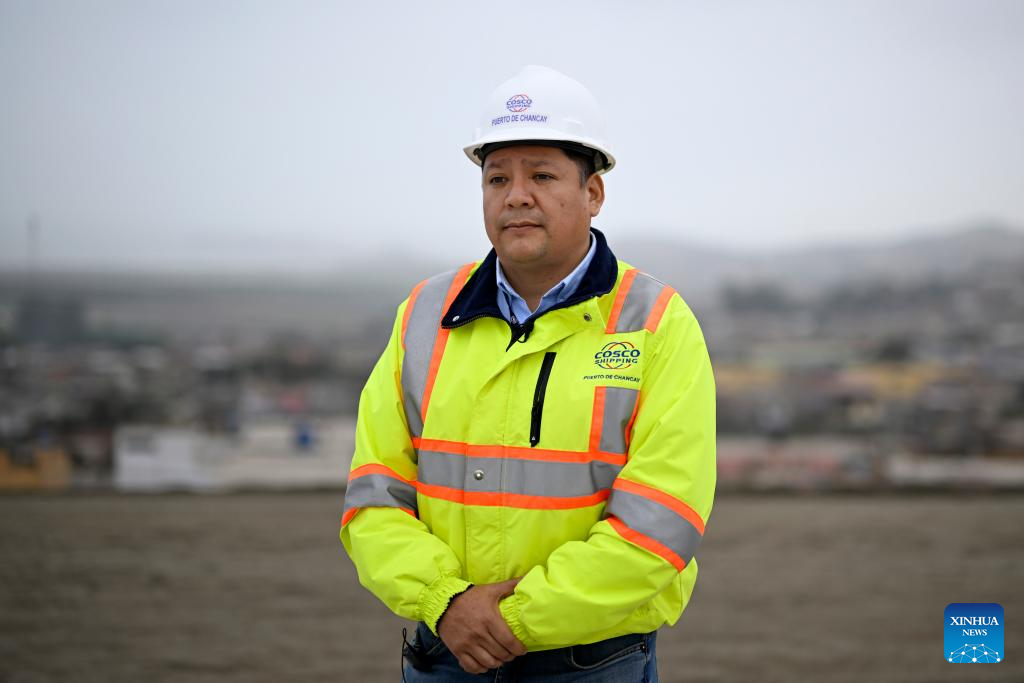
x: 522, y: 224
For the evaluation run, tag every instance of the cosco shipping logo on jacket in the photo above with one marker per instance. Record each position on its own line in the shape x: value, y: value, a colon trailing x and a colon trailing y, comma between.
x: 617, y: 356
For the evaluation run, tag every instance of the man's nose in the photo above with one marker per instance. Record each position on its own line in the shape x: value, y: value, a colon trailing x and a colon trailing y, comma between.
x: 518, y: 193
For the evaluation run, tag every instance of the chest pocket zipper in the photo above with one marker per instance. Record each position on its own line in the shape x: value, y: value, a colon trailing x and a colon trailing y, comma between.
x: 538, y: 397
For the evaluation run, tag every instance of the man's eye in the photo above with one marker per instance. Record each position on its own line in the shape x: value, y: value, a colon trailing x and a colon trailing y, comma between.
x: 543, y: 176
x: 496, y: 180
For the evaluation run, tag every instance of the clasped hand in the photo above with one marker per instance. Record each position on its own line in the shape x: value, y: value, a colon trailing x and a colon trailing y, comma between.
x: 475, y: 632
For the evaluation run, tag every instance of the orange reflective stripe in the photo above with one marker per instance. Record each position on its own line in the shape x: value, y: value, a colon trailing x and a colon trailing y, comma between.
x: 374, y: 468
x: 521, y: 452
x: 660, y: 304
x: 597, y: 419
x: 421, y: 444
x: 442, y: 335
x: 349, y: 514
x: 677, y: 506
x: 363, y: 491
x: 513, y: 500
x: 408, y: 308
x: 620, y: 298
x: 647, y: 543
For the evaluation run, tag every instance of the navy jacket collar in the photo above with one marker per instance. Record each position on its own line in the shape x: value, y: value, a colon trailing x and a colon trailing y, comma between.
x: 479, y: 296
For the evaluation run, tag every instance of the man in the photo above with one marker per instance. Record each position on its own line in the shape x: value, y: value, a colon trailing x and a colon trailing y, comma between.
x: 535, y: 450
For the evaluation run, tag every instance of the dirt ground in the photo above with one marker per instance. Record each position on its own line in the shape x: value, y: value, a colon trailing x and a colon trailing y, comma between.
x: 257, y: 588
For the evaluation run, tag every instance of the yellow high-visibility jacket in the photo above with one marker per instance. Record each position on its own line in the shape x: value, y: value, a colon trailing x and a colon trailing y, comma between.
x: 580, y: 455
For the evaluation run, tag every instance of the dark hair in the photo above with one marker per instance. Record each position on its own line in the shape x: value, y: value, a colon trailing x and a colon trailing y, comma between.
x: 584, y: 163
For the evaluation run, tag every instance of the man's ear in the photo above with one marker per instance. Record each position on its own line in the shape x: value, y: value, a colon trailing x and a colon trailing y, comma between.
x: 595, y: 193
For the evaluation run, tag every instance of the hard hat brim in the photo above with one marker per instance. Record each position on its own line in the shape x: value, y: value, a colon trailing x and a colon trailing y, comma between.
x: 538, y: 136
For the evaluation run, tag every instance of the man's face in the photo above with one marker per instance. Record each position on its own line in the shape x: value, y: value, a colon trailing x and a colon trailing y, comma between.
x: 536, y: 213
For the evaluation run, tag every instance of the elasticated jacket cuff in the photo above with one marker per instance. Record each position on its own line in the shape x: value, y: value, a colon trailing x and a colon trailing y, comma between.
x: 435, y: 597
x: 510, y: 609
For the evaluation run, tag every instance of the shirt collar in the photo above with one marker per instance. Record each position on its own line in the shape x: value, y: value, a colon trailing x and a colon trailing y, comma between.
x: 479, y: 296
x: 561, y: 291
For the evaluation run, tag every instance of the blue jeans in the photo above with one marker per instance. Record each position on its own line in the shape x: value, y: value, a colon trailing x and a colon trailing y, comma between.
x: 625, y: 659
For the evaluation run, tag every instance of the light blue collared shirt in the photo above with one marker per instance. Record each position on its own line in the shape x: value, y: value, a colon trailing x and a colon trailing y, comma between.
x: 514, y: 307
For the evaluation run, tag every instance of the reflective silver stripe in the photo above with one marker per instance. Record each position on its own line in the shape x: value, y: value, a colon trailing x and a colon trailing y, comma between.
x: 656, y: 521
x: 379, y: 490
x: 639, y: 302
x: 618, y: 409
x: 420, y: 335
x: 514, y: 475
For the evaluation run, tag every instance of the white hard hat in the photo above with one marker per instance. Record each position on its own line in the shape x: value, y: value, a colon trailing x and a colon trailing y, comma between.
x: 543, y: 105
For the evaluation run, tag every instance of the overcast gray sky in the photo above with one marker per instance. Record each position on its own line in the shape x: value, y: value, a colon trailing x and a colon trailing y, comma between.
x: 308, y: 134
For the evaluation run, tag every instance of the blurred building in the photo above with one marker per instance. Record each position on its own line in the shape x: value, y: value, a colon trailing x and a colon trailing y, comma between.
x: 264, y: 455
x: 47, y: 319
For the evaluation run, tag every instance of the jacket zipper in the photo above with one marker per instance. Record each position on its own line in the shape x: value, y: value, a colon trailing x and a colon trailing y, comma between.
x: 538, y: 397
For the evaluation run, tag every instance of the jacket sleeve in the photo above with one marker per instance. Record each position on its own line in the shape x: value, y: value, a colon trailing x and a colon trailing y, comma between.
x: 409, y: 569
x: 656, y: 512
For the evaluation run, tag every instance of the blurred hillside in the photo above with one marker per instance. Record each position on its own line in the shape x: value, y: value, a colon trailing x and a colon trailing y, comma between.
x: 699, y: 272
x: 834, y: 366
x: 203, y: 304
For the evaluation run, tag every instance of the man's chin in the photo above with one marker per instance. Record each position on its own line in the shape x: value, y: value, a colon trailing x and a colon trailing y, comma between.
x: 521, y: 252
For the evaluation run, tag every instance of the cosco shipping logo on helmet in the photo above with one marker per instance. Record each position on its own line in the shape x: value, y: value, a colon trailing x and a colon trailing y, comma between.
x: 518, y: 103
x: 617, y: 355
